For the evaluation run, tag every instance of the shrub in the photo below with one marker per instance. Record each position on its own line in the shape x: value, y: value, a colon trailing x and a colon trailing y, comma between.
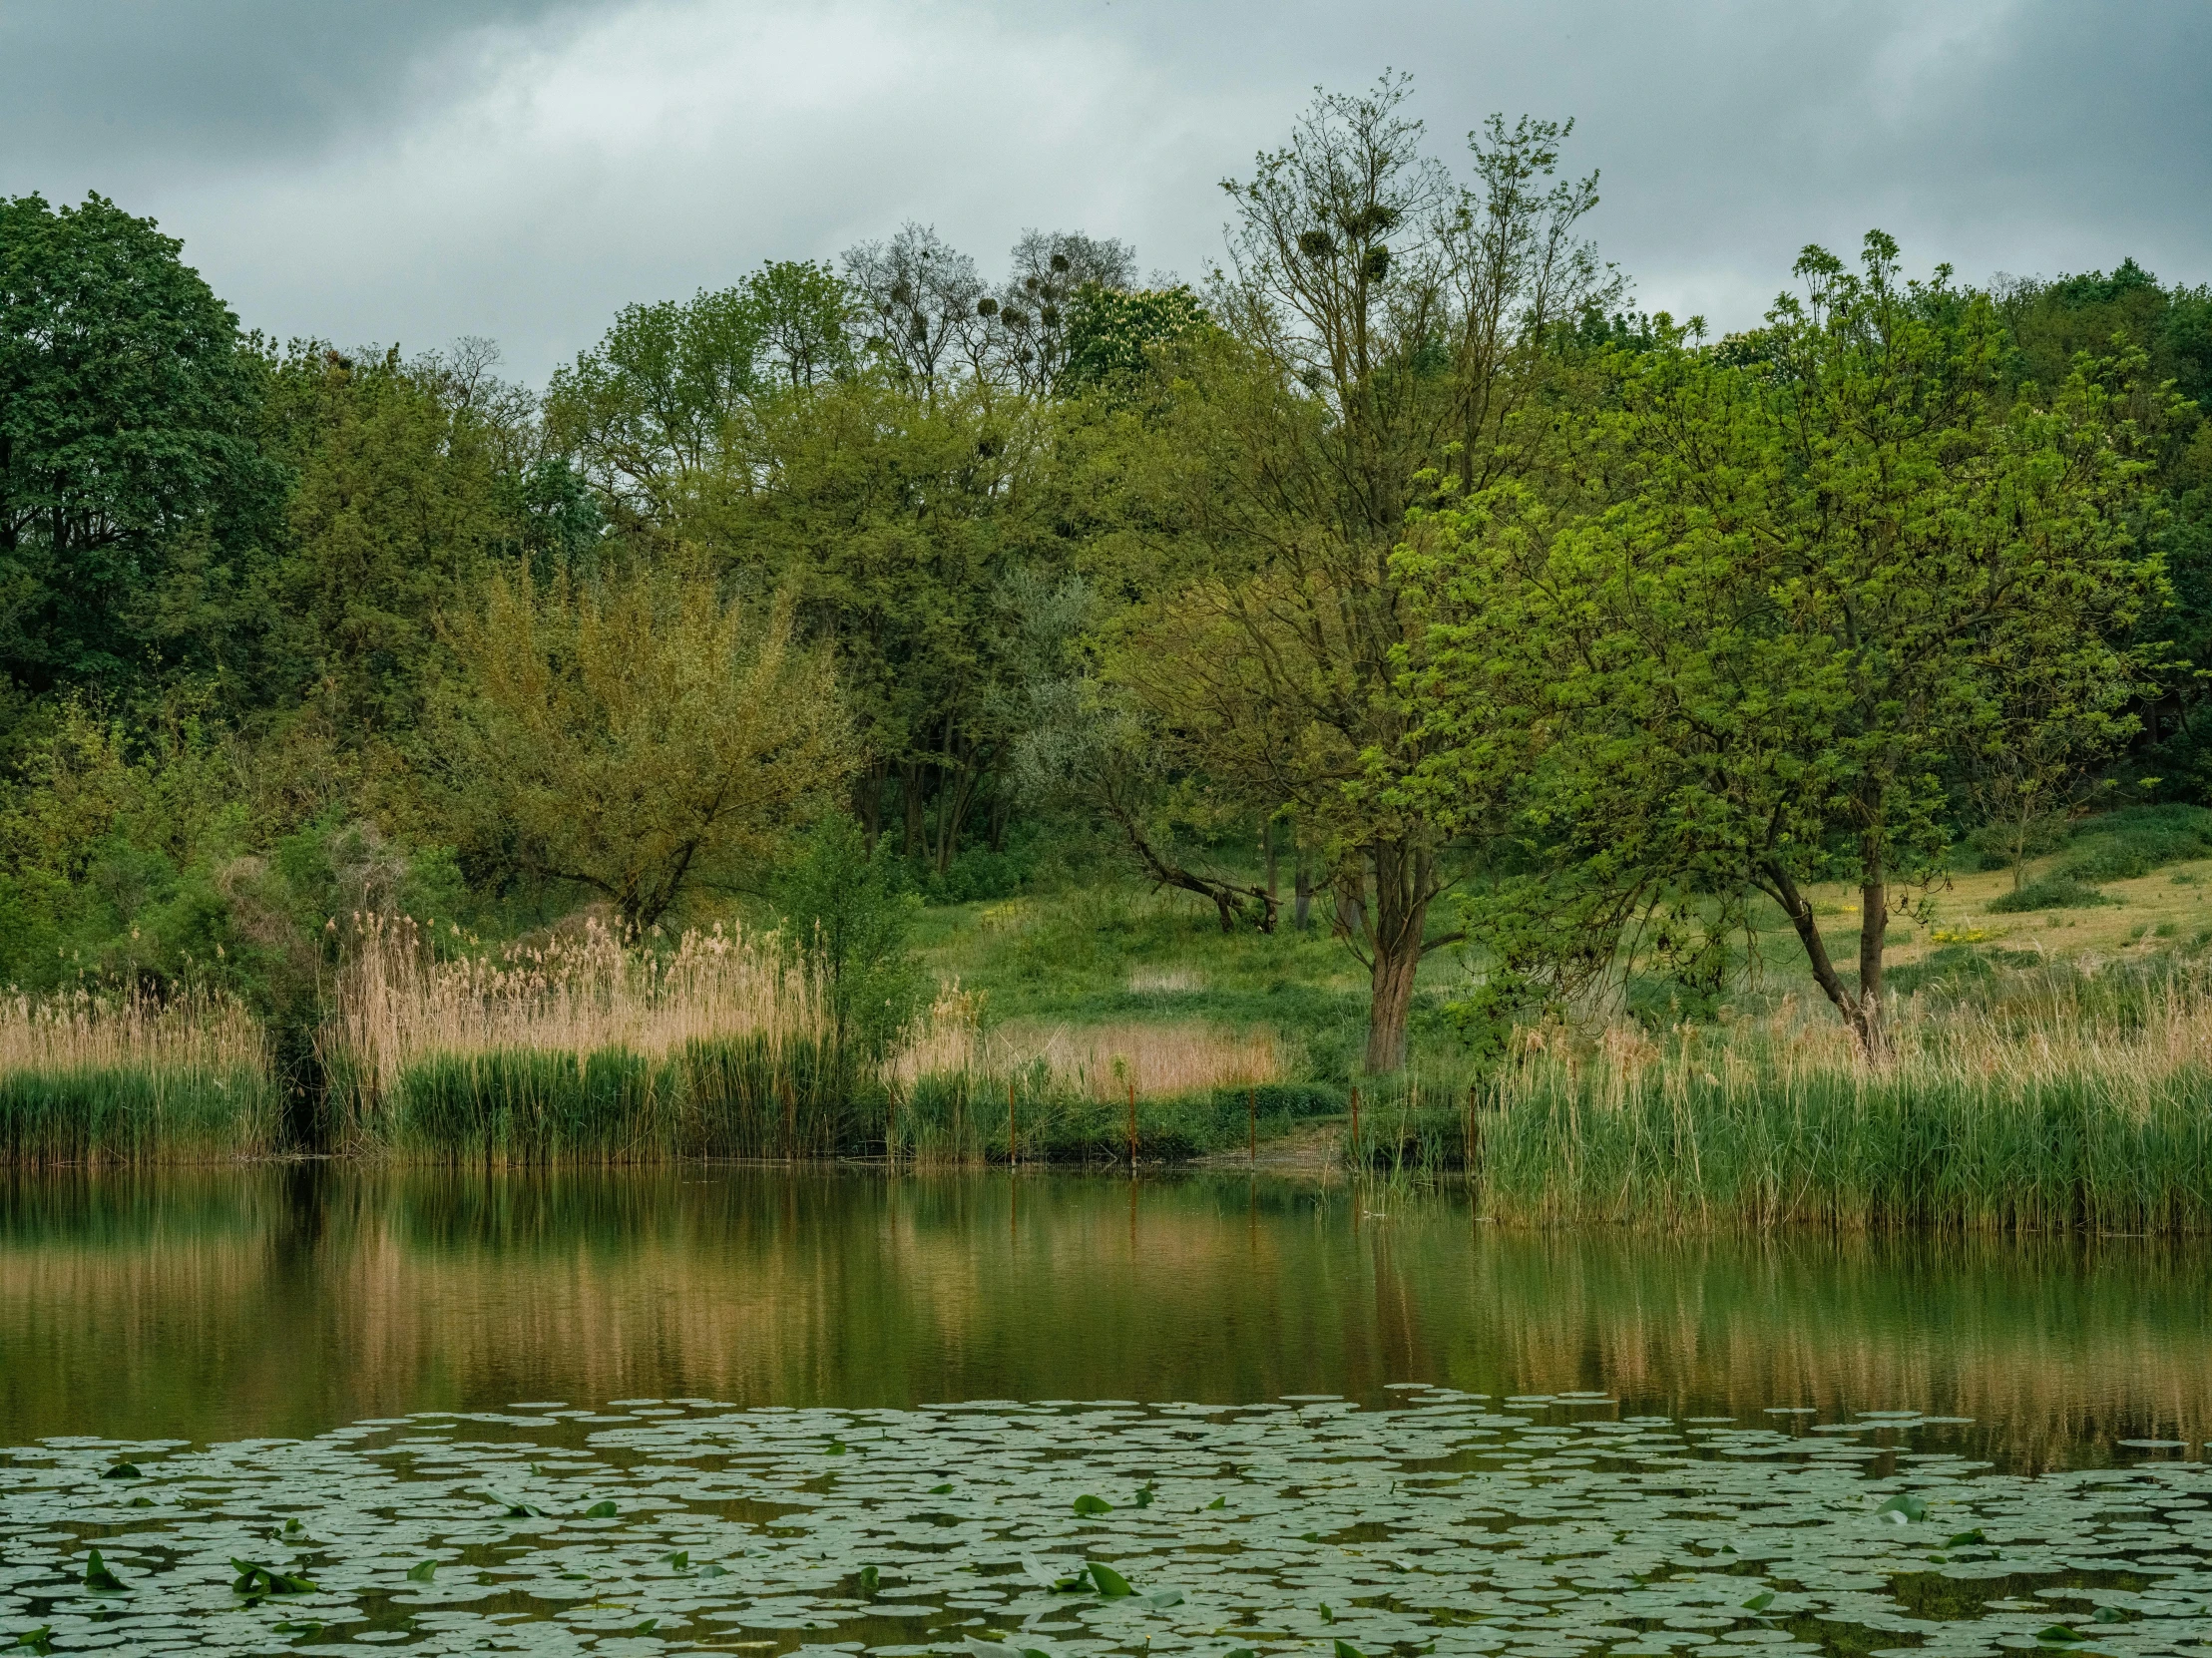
x: 2052, y: 892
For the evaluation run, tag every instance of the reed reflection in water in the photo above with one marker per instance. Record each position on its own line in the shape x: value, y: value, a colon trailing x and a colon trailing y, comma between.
x: 207, y: 1305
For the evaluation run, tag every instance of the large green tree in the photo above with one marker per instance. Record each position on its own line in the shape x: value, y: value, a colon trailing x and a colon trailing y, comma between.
x: 1379, y: 320
x: 405, y: 489
x: 1816, y: 574
x: 133, y: 498
x: 640, y: 738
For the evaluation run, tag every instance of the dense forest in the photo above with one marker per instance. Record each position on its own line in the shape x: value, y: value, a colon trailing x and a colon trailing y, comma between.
x: 1402, y: 552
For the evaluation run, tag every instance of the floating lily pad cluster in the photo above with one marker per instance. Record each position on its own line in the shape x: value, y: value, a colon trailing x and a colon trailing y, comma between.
x: 1447, y: 1523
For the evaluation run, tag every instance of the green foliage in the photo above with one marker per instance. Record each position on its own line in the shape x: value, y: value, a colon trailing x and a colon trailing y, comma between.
x: 131, y: 496
x: 849, y: 915
x: 638, y: 738
x: 651, y: 411
x: 2131, y: 842
x: 2051, y: 892
x: 1113, y: 336
x: 1821, y: 582
x: 922, y: 537
x: 398, y: 508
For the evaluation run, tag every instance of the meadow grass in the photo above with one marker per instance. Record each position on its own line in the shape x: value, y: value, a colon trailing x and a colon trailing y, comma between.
x: 102, y: 1077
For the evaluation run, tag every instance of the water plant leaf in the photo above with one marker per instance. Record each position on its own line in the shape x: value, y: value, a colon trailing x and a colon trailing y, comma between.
x: 945, y: 1490
x: 1345, y: 1649
x: 40, y: 1639
x: 1089, y: 1505
x: 1964, y: 1539
x: 516, y: 1508
x: 2058, y: 1634
x: 648, y: 1627
x: 870, y: 1580
x: 124, y: 1471
x: 422, y: 1573
x: 1144, y: 1494
x: 257, y: 1580
x: 1631, y: 1496
x: 1220, y: 1502
x: 836, y: 1448
x: 98, y: 1577
x: 991, y: 1649
x: 600, y: 1511
x: 1905, y: 1508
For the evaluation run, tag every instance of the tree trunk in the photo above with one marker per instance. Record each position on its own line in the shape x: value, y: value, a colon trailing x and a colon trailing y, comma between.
x: 1874, y: 925
x: 1301, y: 913
x: 1227, y: 897
x: 871, y: 807
x: 1396, y: 931
x: 1390, y: 983
x: 913, y: 784
x: 1267, y: 850
x: 1861, y: 1011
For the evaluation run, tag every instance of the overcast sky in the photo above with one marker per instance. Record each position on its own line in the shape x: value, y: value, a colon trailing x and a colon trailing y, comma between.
x: 371, y: 170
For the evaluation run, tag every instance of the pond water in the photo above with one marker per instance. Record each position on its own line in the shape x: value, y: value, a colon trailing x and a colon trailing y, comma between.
x: 763, y: 1410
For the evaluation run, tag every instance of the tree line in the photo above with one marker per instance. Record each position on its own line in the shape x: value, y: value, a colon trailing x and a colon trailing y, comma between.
x: 1402, y: 547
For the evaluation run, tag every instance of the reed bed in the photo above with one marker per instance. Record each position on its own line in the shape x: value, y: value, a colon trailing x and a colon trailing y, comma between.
x: 2096, y: 1117
x: 964, y: 1116
x: 93, y: 1075
x: 1030, y: 1093
x: 583, y: 1048
x: 1096, y: 1061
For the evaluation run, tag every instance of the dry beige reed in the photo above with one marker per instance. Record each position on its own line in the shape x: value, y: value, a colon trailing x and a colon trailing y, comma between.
x: 2060, y: 1030
x: 1096, y: 1061
x: 577, y: 992
x: 84, y: 1029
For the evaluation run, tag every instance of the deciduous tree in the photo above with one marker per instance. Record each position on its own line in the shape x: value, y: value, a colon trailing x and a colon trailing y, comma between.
x: 641, y: 739
x: 1816, y: 574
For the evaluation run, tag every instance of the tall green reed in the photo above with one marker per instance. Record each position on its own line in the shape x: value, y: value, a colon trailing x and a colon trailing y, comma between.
x: 120, y: 1076
x: 2082, y: 1108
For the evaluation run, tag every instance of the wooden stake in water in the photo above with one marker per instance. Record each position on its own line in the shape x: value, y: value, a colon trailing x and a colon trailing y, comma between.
x: 790, y: 1120
x: 1471, y: 1128
x: 1355, y: 1125
x: 1251, y: 1119
x: 1132, y: 1126
x: 1012, y: 1128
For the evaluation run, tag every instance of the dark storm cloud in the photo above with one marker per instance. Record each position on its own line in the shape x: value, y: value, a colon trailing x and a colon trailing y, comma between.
x: 132, y: 83
x: 520, y: 170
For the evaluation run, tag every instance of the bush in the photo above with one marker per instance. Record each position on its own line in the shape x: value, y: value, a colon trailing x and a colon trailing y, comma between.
x: 2052, y: 892
x: 2120, y: 846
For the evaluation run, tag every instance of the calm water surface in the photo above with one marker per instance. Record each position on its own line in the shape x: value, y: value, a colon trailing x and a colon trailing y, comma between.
x: 284, y: 1301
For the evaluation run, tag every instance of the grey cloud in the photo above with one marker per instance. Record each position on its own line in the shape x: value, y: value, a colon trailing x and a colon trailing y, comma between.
x: 520, y: 170
x: 143, y: 83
